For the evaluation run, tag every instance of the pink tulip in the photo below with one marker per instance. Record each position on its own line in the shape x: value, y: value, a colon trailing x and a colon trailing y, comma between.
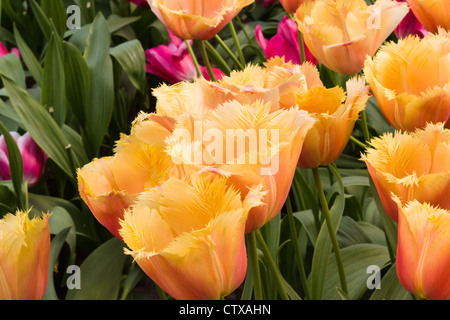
x: 284, y: 43
x: 173, y: 62
x: 4, y: 51
x: 410, y: 26
x: 33, y: 157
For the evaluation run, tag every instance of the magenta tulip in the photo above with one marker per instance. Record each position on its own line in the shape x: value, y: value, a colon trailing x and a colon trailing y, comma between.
x: 33, y: 157
x: 284, y: 43
x: 140, y: 3
x: 173, y: 62
x: 4, y: 51
x: 410, y: 26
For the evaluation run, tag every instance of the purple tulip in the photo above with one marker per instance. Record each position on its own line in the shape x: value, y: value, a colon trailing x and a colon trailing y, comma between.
x: 140, y: 3
x: 267, y: 3
x: 33, y: 157
x: 410, y: 26
x: 284, y: 43
x: 173, y: 62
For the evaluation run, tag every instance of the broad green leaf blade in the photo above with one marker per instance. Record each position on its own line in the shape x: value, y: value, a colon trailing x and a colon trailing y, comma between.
x: 15, y: 164
x: 55, y: 249
x: 306, y: 218
x: 76, y: 144
x: 78, y: 81
x: 53, y: 82
x: 59, y: 221
x: 390, y: 287
x: 357, y: 259
x: 28, y: 57
x: 40, y: 124
x: 350, y: 233
x: 131, y: 57
x: 56, y: 12
x: 101, y: 273
x: 11, y: 67
x: 42, y: 19
x: 101, y: 98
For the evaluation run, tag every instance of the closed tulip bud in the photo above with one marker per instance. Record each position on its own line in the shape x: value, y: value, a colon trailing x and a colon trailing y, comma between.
x: 199, y: 20
x: 341, y: 33
x: 24, y: 256
x: 33, y: 158
x: 188, y: 236
x: 423, y: 250
x: 336, y: 114
x: 109, y: 185
x: 410, y: 80
x: 411, y: 166
x: 432, y: 14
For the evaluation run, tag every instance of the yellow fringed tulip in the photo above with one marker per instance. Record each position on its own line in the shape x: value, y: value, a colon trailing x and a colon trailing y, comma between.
x: 411, y: 166
x: 110, y: 184
x: 410, y: 80
x: 336, y: 114
x: 341, y: 33
x: 188, y: 236
x: 24, y: 256
x: 432, y: 14
x: 201, y: 20
x: 423, y: 250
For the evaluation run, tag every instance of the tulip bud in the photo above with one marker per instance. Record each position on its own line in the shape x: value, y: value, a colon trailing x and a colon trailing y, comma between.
x: 24, y: 256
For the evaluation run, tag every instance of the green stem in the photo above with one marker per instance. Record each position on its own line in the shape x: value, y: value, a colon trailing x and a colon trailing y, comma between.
x: 331, y: 231
x: 236, y: 41
x: 228, y: 51
x: 359, y: 143
x: 254, y: 265
x: 301, y: 44
x: 194, y: 58
x: 271, y: 264
x: 294, y: 238
x: 206, y: 60
x: 218, y: 58
x: 161, y: 294
x: 365, y: 126
x: 261, y: 57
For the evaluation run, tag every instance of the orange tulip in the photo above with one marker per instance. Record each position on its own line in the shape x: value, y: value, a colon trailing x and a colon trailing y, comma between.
x: 410, y: 80
x: 188, y: 236
x: 24, y: 256
x: 328, y: 137
x: 341, y: 33
x: 432, y: 14
x: 292, y: 5
x: 199, y: 20
x: 423, y: 259
x: 110, y: 184
x: 411, y: 166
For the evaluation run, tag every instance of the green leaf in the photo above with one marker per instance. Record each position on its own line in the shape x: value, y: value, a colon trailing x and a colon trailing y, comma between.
x: 101, y: 98
x: 390, y: 287
x: 76, y: 144
x: 306, y: 218
x: 101, y: 273
x: 131, y: 57
x: 53, y: 82
x: 11, y: 67
x: 350, y: 233
x: 42, y: 19
x: 61, y: 220
x: 15, y: 165
x: 28, y: 57
x: 56, y: 12
x: 357, y: 259
x: 41, y: 126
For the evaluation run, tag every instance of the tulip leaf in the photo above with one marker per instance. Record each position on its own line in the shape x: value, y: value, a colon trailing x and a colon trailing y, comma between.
x: 30, y: 60
x: 56, y: 12
x: 306, y: 218
x: 323, y: 246
x: 59, y: 221
x: 42, y: 19
x: 131, y: 57
x: 101, y: 98
x: 357, y: 259
x: 101, y: 273
x: 55, y: 249
x: 15, y: 165
x: 390, y: 287
x: 11, y: 66
x: 53, y: 80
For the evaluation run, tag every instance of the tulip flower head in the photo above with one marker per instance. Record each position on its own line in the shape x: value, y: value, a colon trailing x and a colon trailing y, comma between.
x: 410, y: 166
x: 284, y: 44
x: 410, y: 80
x: 341, y: 33
x: 33, y: 158
x: 410, y: 26
x: 292, y: 5
x: 24, y: 256
x: 140, y: 3
x: 432, y: 14
x: 336, y: 113
x: 423, y: 257
x: 188, y: 236
x: 4, y: 51
x: 199, y: 20
x: 173, y: 62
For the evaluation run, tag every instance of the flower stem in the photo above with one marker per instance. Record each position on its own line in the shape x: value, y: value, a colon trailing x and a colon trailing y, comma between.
x: 294, y: 238
x: 271, y: 264
x: 194, y: 58
x: 228, y: 51
x: 218, y: 58
x: 331, y: 231
x: 161, y: 294
x: 365, y: 126
x: 359, y: 143
x: 301, y: 44
x: 254, y: 265
x: 206, y: 60
x: 236, y: 41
